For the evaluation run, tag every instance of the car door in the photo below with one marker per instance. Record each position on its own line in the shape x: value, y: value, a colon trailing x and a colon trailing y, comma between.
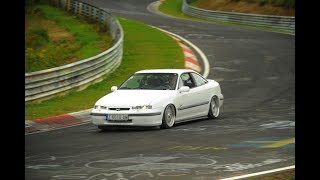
x: 188, y: 102
x: 203, y: 94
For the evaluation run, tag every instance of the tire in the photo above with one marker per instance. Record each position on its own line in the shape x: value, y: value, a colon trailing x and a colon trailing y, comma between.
x: 214, y: 108
x: 169, y: 117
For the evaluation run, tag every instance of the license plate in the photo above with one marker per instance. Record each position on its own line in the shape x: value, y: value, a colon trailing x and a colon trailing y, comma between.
x: 117, y: 117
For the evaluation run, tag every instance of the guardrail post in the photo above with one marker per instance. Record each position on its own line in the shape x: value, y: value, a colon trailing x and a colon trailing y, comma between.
x: 80, y: 8
x: 69, y: 5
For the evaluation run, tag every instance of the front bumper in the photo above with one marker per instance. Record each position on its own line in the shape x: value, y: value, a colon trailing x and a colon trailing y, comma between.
x: 149, y: 118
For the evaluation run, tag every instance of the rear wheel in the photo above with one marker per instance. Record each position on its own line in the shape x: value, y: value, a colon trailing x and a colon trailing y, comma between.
x: 214, y: 108
x: 169, y: 117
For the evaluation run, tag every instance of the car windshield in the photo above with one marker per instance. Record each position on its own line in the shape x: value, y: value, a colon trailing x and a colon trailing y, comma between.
x: 153, y: 81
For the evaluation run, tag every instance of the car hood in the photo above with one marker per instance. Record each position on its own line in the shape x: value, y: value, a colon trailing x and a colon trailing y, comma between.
x: 128, y: 98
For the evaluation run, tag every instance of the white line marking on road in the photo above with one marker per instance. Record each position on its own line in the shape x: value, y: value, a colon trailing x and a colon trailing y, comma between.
x: 260, y: 173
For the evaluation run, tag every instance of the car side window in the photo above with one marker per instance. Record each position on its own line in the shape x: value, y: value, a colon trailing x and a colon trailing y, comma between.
x: 199, y: 81
x: 186, y: 80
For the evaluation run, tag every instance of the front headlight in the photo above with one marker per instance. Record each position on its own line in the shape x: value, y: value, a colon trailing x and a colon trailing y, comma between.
x: 142, y: 107
x: 99, y: 107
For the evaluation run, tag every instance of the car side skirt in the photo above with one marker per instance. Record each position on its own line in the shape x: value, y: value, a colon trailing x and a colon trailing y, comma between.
x: 192, y: 106
x: 191, y: 119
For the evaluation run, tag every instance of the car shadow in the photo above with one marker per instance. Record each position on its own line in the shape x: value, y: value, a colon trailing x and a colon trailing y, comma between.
x: 126, y: 129
x: 114, y: 129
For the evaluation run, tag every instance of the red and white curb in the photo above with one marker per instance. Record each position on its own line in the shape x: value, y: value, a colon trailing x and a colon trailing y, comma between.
x: 191, y: 61
x: 57, y: 122
x: 83, y: 117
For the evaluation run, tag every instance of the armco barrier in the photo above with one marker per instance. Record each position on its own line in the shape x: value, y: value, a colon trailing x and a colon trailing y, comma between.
x: 283, y: 23
x: 47, y: 83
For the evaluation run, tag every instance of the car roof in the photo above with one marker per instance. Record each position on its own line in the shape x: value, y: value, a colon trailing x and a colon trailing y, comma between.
x: 178, y: 71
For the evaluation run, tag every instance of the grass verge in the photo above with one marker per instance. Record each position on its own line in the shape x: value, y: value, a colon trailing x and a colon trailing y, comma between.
x: 173, y: 8
x: 55, y: 38
x: 141, y: 51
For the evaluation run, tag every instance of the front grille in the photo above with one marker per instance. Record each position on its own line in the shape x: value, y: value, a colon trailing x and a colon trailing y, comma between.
x: 119, y: 109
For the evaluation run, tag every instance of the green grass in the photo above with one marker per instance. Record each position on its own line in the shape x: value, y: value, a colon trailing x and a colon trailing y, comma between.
x: 82, y: 31
x: 173, y: 8
x: 84, y: 38
x: 144, y: 48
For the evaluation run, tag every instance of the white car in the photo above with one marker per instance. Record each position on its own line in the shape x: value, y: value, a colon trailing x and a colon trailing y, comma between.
x: 159, y: 97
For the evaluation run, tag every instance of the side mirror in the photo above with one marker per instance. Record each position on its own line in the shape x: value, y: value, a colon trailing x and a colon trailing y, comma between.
x: 184, y: 89
x: 114, y: 88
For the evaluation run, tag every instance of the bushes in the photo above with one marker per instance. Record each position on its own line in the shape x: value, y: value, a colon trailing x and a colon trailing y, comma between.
x: 281, y: 3
x: 263, y: 2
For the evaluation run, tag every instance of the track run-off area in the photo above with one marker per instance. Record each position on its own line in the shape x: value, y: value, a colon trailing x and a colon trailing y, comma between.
x: 255, y: 131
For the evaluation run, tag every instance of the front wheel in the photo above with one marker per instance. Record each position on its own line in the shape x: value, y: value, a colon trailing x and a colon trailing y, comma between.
x: 214, y: 108
x: 169, y: 117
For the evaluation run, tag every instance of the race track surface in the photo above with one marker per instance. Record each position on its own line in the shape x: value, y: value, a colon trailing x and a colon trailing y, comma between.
x: 255, y: 132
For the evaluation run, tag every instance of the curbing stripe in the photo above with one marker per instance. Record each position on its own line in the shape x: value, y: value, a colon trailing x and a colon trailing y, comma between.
x: 187, y: 50
x: 56, y: 122
x: 183, y: 46
x: 186, y: 54
x: 193, y: 61
x: 46, y: 130
x: 192, y: 66
x: 202, y: 55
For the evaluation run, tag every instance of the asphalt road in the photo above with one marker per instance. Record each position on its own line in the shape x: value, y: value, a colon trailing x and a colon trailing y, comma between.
x: 255, y: 132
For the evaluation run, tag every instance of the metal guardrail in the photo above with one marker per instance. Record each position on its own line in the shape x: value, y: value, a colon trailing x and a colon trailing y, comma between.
x: 283, y: 23
x: 47, y: 83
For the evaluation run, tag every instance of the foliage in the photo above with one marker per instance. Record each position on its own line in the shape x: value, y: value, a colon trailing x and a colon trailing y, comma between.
x: 281, y: 3
x: 37, y: 37
x: 55, y: 38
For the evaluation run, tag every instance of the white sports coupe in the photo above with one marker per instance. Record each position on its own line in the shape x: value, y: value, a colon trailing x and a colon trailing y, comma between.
x: 159, y: 97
